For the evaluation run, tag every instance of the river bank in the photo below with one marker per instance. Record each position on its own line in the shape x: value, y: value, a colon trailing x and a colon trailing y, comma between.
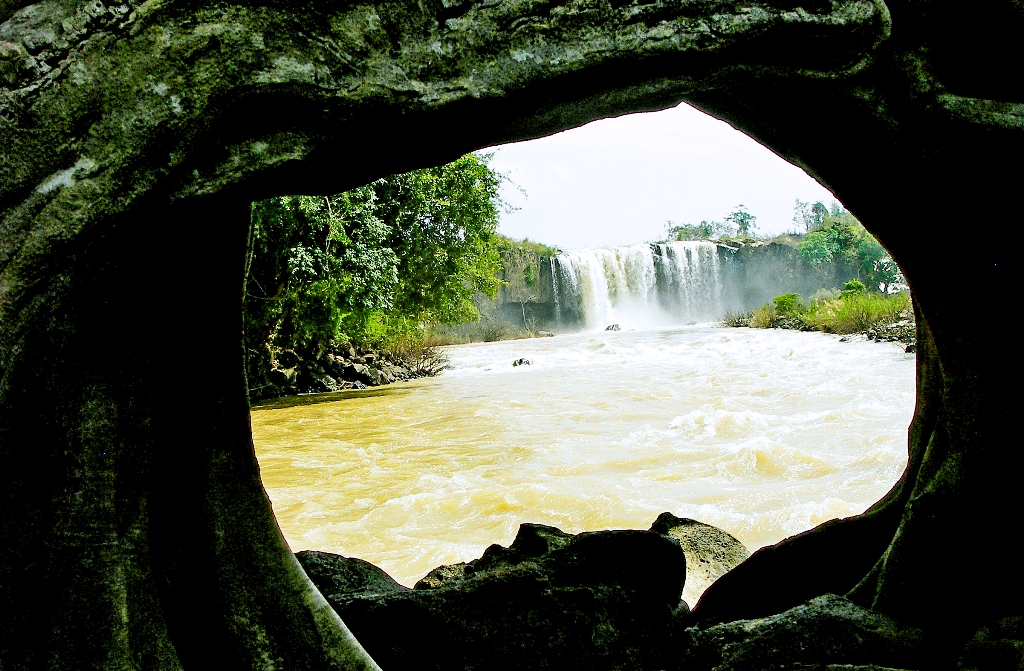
x: 347, y: 368
x: 851, y: 313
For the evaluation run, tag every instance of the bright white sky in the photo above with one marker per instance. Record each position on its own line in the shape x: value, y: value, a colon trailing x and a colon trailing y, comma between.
x: 618, y: 181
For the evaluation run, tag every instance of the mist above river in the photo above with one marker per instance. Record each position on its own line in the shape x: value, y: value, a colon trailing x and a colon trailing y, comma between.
x: 764, y: 433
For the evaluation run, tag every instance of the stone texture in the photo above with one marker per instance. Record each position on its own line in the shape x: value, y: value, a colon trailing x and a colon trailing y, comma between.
x: 133, y: 136
x: 601, y: 600
x: 710, y: 552
x: 826, y: 632
x: 996, y: 646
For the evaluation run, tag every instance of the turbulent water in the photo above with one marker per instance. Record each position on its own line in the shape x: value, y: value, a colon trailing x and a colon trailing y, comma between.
x: 763, y: 433
x: 640, y: 285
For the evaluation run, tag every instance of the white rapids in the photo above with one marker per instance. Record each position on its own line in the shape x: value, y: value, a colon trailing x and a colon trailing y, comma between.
x: 763, y: 433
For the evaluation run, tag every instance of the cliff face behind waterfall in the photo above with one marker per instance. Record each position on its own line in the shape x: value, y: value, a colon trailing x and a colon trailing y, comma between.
x: 655, y: 284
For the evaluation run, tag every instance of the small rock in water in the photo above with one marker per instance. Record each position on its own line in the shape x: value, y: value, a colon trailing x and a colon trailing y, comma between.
x: 692, y: 323
x: 521, y: 362
x: 845, y: 339
x: 545, y: 334
x: 612, y: 327
x: 911, y: 348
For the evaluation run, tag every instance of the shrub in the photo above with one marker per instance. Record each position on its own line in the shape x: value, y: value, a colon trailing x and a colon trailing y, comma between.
x: 788, y: 304
x: 762, y: 317
x: 856, y: 312
x: 417, y: 354
x: 853, y: 288
x: 736, y: 319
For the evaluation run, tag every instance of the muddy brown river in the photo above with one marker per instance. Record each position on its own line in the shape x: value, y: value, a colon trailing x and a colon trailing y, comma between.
x: 763, y: 433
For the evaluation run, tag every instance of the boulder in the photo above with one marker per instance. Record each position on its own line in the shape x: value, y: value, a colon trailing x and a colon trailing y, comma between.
x: 327, y: 383
x: 346, y: 576
x: 828, y: 632
x: 287, y: 358
x: 601, y: 600
x: 376, y: 377
x: 283, y: 377
x: 612, y: 327
x: 710, y: 552
x: 996, y: 646
x: 360, y: 372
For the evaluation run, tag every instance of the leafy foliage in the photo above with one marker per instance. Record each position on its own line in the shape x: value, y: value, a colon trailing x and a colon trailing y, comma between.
x: 857, y: 312
x: 373, y: 266
x: 853, y: 287
x: 835, y: 236
x: 739, y: 223
x: 443, y: 222
x: 788, y: 304
x: 743, y: 220
x: 705, y: 230
x: 854, y: 311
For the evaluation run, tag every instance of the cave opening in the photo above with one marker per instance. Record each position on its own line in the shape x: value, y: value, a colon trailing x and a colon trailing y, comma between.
x: 419, y: 475
x: 135, y: 138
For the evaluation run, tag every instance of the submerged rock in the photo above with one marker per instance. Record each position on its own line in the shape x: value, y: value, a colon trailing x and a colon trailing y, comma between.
x: 601, y: 600
x: 710, y: 552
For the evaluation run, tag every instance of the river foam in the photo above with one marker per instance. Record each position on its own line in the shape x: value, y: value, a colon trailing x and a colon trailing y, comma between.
x: 763, y: 433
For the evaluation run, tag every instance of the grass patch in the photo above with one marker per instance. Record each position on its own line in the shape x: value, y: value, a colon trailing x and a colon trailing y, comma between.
x: 417, y: 353
x: 762, y: 317
x: 856, y: 313
x: 736, y: 319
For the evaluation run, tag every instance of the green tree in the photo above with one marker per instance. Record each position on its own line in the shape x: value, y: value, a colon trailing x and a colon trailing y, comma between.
x: 443, y: 222
x: 375, y: 263
x: 679, y: 232
x: 743, y: 220
x: 837, y: 237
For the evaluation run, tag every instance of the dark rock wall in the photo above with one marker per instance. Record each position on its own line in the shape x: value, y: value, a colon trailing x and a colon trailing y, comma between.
x: 538, y: 302
x: 753, y: 275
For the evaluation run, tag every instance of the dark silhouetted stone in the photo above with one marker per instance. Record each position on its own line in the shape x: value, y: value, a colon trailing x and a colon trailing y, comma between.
x: 601, y: 600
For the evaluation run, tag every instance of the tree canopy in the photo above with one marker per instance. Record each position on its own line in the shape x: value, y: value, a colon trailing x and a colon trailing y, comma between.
x: 835, y: 236
x: 372, y: 264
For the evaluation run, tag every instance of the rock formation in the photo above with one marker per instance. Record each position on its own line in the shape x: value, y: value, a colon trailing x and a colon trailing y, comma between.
x: 134, y: 135
x: 710, y: 552
x: 601, y: 600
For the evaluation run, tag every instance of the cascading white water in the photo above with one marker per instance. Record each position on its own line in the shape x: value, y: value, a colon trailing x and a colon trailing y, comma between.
x: 641, y: 285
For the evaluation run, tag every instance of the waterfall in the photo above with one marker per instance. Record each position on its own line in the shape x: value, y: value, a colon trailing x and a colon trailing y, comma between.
x: 640, y: 285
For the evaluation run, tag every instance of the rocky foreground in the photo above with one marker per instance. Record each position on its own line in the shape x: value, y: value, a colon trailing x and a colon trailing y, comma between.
x: 601, y: 600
